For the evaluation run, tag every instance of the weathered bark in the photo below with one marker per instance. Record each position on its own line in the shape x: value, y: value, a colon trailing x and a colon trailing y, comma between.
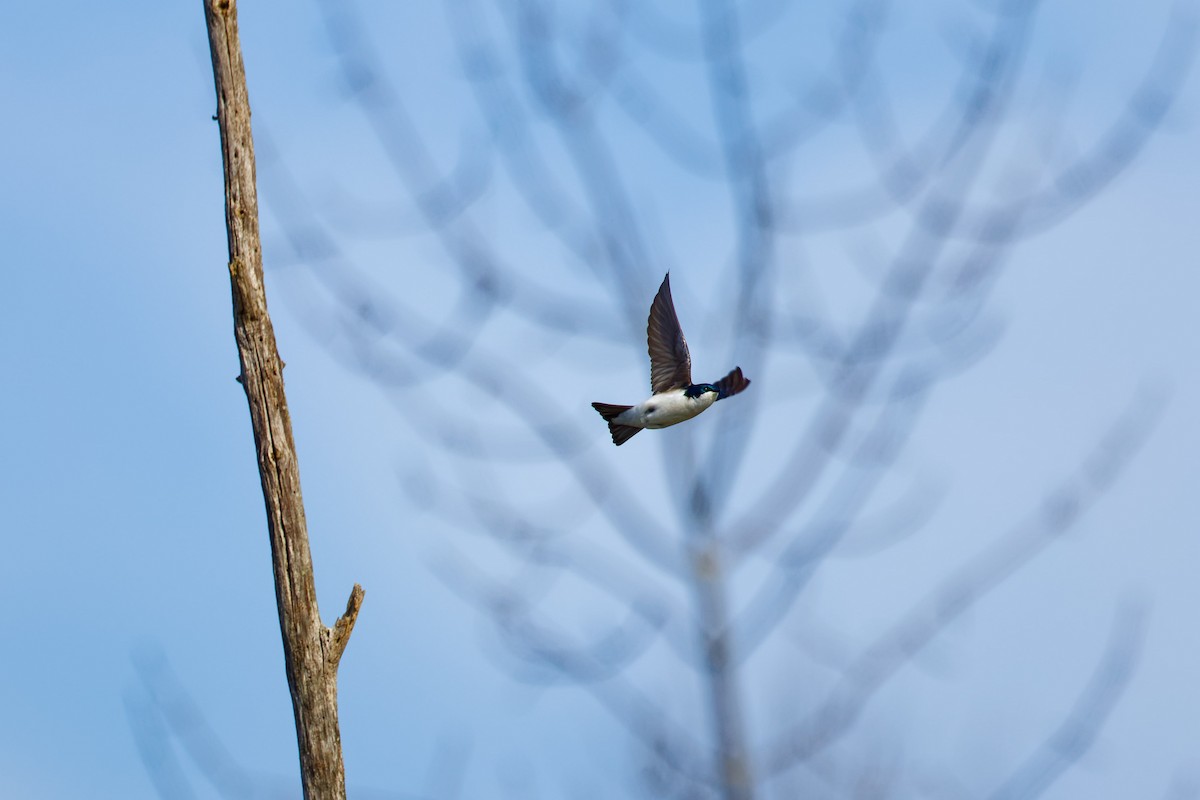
x: 311, y: 650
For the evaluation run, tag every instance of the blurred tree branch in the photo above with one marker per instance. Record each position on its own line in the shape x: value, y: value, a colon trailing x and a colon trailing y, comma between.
x: 698, y: 584
x: 179, y: 747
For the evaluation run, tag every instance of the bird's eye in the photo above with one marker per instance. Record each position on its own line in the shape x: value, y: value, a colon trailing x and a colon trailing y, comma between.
x: 649, y: 409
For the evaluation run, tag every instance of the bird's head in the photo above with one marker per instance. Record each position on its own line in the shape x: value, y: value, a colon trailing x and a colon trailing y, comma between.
x: 698, y: 389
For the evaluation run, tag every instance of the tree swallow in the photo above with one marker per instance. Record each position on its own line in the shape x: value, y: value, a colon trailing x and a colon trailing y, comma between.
x: 675, y: 397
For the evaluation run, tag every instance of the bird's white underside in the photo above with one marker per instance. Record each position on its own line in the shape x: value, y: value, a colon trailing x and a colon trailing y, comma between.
x: 665, y: 409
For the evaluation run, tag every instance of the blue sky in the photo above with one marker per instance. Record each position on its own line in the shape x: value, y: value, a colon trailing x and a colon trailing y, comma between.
x: 130, y: 503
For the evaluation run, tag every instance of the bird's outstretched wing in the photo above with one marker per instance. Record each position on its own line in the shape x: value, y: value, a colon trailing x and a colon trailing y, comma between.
x: 731, y: 384
x: 670, y: 363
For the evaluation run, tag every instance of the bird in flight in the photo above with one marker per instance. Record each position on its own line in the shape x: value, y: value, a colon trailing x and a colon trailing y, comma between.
x: 675, y: 398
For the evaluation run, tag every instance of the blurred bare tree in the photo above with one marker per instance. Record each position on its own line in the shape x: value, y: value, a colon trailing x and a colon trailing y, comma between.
x: 600, y: 136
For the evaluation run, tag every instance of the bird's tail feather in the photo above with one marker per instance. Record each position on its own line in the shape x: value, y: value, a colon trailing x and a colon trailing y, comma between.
x: 608, y: 410
x: 620, y: 433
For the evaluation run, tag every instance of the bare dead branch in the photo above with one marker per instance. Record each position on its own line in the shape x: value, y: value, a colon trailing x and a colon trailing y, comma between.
x: 340, y: 634
x: 311, y: 664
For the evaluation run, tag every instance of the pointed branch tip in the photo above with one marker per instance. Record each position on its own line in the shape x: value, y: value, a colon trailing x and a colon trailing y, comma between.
x: 340, y: 634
